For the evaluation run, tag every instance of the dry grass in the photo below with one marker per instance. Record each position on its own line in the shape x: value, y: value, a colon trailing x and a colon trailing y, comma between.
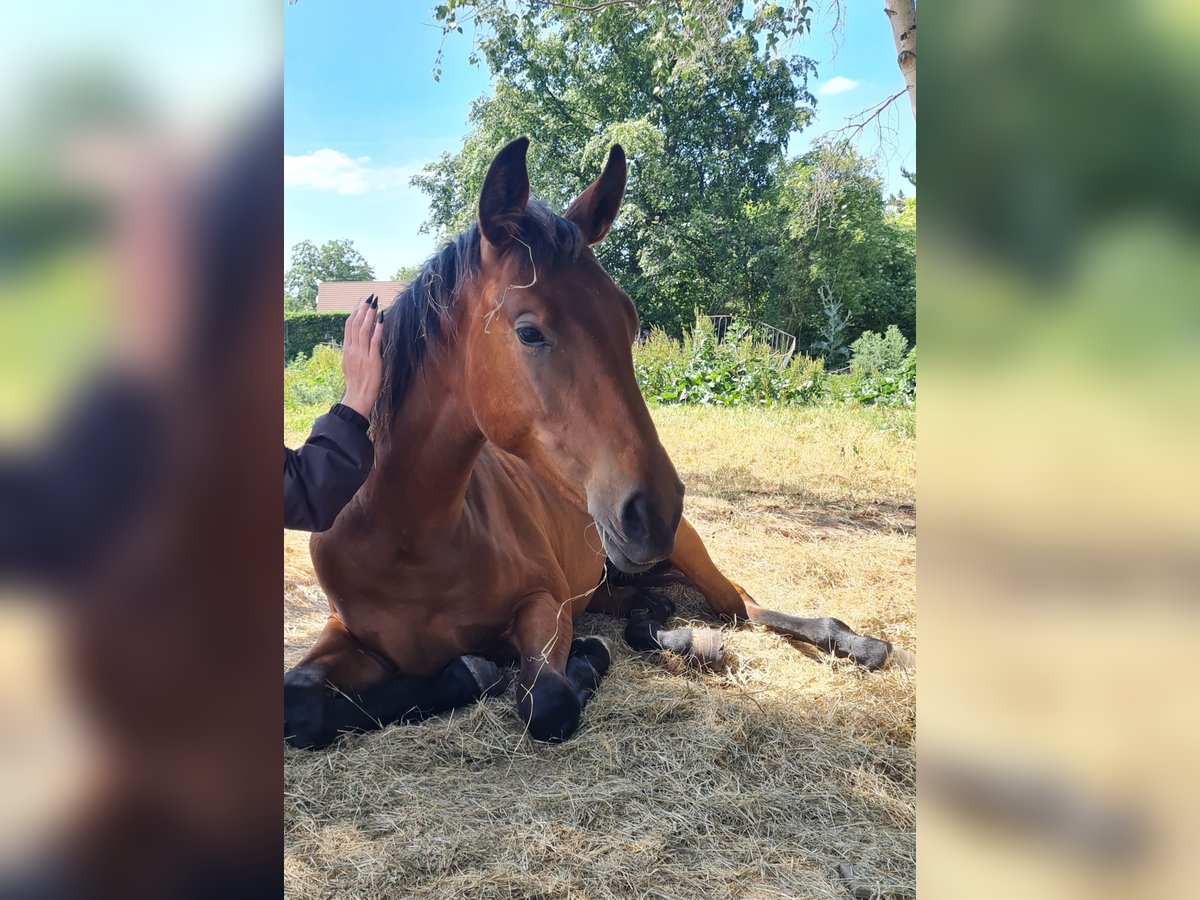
x: 754, y: 782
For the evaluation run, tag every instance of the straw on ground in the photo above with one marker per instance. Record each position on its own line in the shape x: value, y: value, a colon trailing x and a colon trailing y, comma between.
x: 754, y: 782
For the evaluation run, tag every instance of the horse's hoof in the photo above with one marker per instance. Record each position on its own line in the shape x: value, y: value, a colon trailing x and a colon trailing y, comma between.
x: 551, y: 709
x: 306, y: 709
x: 656, y: 605
x: 899, y: 658
x: 708, y: 647
x: 489, y: 678
x: 596, y: 650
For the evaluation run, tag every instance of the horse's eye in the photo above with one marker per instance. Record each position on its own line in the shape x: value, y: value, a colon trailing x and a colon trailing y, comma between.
x: 530, y: 336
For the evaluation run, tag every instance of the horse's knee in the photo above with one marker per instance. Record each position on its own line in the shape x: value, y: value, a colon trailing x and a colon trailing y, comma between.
x: 551, y: 708
x: 307, y: 709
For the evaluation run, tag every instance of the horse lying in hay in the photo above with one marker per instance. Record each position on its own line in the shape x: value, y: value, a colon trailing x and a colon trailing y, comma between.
x: 514, y: 454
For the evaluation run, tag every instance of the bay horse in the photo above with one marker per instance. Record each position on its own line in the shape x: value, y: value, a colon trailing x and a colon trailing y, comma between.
x: 514, y: 455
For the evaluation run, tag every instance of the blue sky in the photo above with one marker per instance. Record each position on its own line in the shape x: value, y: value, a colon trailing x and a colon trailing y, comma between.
x: 363, y: 114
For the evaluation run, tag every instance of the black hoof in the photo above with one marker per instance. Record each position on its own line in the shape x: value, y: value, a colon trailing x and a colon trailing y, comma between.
x: 595, y: 650
x: 307, y: 710
x: 551, y: 711
x: 870, y: 653
x: 480, y: 677
x: 653, y: 604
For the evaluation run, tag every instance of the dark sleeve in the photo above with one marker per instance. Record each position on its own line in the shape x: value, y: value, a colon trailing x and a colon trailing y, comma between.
x: 62, y: 504
x: 321, y: 477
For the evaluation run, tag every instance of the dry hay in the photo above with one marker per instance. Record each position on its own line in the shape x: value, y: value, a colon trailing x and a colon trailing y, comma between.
x: 753, y: 782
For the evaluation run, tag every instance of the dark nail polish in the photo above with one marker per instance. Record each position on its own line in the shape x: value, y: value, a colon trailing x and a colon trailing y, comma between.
x: 374, y: 302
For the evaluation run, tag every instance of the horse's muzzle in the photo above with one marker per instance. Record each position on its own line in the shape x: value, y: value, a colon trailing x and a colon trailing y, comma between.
x: 642, y: 536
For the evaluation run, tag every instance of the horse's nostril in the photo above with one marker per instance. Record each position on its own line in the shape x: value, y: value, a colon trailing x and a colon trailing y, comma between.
x: 644, y: 525
x: 647, y: 528
x: 635, y: 517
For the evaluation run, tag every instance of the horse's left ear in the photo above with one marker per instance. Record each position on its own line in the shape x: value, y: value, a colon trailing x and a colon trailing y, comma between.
x: 596, y: 208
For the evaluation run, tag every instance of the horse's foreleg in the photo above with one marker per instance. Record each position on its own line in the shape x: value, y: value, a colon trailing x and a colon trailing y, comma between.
x: 340, y: 687
x: 731, y: 601
x: 558, y: 675
x: 648, y: 612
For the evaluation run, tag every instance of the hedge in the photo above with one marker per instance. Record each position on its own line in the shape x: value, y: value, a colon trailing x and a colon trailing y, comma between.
x: 304, y: 330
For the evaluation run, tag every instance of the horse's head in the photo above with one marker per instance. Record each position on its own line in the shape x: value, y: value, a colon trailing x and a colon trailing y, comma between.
x: 549, y: 360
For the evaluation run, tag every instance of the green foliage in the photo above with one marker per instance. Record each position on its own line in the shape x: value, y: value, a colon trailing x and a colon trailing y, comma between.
x: 883, y: 370
x: 895, y: 389
x: 314, y: 380
x: 704, y: 98
x: 878, y: 376
x: 836, y: 229
x: 657, y: 363
x: 302, y: 331
x: 697, y: 370
x: 831, y: 330
x: 879, y: 354
x: 406, y: 273
x: 735, y: 371
x: 684, y: 34
x: 332, y: 261
x: 705, y: 142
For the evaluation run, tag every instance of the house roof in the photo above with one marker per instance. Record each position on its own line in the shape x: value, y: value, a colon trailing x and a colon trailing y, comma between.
x: 343, y: 296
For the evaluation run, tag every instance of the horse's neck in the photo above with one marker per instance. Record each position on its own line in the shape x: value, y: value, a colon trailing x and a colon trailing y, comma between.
x: 424, y: 464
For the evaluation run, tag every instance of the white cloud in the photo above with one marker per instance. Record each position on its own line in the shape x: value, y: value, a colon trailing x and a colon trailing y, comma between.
x: 837, y: 85
x: 332, y: 195
x: 327, y: 170
x: 332, y: 170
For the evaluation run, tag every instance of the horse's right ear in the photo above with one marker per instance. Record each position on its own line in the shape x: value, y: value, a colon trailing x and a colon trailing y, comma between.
x: 504, y: 195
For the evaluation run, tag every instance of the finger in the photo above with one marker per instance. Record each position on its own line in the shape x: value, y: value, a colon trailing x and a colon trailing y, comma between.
x: 352, y: 326
x: 368, y: 319
x: 377, y: 340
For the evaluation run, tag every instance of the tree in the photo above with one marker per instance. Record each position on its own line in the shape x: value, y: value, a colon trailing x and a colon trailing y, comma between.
x: 706, y: 144
x: 836, y: 229
x: 903, y: 16
x: 406, y: 273
x: 687, y: 31
x: 333, y: 261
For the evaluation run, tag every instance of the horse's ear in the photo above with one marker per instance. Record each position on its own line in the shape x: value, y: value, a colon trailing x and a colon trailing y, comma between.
x: 596, y: 208
x: 505, y: 193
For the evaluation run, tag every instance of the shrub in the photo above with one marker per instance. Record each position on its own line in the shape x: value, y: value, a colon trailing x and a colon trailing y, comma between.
x: 657, y: 362
x: 314, y: 380
x: 895, y: 388
x: 735, y: 371
x: 302, y: 331
x: 879, y: 354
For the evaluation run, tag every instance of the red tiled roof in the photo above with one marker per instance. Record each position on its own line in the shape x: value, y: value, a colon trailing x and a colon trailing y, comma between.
x: 343, y: 296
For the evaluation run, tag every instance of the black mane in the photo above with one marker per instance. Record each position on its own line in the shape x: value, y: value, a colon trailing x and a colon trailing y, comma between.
x: 419, y: 320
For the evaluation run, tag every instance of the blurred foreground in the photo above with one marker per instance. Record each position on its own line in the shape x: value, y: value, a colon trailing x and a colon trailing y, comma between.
x: 140, y: 245
x: 1059, y: 322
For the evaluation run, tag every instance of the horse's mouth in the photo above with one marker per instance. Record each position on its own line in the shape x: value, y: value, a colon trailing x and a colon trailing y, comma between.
x: 612, y: 549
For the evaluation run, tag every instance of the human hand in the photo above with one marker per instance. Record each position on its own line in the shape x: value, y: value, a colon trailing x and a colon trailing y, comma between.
x: 362, y: 360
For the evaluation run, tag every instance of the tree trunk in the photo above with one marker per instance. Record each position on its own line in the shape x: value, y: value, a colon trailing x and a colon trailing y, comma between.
x: 903, y: 16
